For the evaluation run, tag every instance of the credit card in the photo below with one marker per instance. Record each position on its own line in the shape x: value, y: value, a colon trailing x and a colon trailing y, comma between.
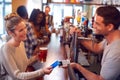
x: 55, y: 64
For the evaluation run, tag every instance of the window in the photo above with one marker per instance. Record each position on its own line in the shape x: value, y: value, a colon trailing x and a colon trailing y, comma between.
x: 57, y: 0
x: 67, y: 10
x: 32, y: 4
x: 8, y: 0
x: 5, y: 8
x: 1, y: 20
x: 60, y: 11
x: 8, y: 9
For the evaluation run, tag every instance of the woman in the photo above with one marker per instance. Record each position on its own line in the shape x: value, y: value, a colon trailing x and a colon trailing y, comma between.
x: 12, y: 54
x: 37, y: 20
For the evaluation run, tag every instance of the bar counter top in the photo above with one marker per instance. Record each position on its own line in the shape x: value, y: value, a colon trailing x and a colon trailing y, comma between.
x: 55, y: 52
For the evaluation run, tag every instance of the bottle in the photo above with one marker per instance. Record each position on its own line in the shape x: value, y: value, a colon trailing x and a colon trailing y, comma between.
x: 67, y: 1
x: 72, y: 1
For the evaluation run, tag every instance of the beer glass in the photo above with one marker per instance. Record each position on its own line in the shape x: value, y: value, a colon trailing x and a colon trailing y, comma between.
x: 43, y: 54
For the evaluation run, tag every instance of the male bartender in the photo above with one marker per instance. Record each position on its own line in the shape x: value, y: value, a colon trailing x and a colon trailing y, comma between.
x: 106, y: 23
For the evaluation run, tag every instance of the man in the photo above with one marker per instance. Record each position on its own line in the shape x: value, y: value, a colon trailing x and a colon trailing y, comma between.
x: 106, y: 23
x: 49, y: 20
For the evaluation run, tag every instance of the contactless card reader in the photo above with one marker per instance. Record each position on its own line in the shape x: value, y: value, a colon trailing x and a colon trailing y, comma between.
x: 62, y: 63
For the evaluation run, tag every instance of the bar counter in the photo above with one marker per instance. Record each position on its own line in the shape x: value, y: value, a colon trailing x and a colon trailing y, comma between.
x: 55, y: 52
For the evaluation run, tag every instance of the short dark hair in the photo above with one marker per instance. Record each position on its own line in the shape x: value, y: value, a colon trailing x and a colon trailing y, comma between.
x: 22, y: 12
x: 110, y: 14
x: 47, y: 6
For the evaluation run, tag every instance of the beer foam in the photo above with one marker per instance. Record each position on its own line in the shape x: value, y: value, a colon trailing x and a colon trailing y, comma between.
x: 43, y: 48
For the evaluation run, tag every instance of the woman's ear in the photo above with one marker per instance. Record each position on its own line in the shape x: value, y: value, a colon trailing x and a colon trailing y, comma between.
x: 11, y: 33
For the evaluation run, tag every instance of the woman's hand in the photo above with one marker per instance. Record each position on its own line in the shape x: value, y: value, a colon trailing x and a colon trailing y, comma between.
x: 47, y: 70
x: 36, y: 51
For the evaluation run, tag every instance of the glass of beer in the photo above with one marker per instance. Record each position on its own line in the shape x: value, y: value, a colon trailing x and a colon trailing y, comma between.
x: 43, y: 54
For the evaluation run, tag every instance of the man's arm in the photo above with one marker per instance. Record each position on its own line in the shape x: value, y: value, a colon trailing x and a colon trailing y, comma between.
x: 92, y: 46
x: 87, y: 74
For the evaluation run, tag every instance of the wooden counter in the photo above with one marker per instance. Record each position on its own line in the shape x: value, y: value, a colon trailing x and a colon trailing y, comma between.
x: 55, y: 52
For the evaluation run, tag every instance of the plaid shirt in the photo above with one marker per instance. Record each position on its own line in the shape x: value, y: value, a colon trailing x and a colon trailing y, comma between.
x: 31, y: 41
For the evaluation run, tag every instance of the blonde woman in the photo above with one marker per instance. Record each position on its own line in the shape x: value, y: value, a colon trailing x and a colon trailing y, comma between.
x: 13, y: 59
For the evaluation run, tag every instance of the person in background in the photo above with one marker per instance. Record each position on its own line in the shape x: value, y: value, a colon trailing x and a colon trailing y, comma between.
x: 42, y: 29
x: 13, y: 58
x: 31, y: 42
x: 22, y: 12
x: 37, y: 20
x: 42, y: 21
x: 49, y: 20
x: 106, y: 23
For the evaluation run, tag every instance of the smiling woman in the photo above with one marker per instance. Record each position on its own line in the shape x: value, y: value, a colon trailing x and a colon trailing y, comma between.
x: 17, y: 28
x: 11, y: 64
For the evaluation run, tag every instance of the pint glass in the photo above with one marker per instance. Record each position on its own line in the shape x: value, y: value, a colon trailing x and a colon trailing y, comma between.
x: 43, y: 54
